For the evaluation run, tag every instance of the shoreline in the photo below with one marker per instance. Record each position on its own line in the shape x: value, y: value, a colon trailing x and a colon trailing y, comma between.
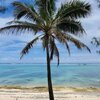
x: 41, y: 93
x: 55, y: 88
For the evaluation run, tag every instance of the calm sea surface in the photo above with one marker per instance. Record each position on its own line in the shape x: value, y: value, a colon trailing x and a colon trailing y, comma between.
x: 64, y: 75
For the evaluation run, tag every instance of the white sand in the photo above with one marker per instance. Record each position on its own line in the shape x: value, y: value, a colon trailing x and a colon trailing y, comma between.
x: 17, y: 94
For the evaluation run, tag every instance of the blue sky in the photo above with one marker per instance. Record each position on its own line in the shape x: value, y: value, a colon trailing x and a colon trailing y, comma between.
x: 11, y: 45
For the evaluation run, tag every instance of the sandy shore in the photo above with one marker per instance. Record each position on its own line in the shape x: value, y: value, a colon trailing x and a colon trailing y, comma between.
x: 40, y: 93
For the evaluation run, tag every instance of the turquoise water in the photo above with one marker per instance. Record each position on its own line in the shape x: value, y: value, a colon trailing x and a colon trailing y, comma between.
x: 64, y: 75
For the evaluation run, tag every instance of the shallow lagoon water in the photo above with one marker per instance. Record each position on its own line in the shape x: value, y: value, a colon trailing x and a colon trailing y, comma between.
x: 71, y: 75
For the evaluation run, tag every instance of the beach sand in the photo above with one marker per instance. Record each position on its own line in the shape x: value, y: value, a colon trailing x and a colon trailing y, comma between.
x: 40, y: 93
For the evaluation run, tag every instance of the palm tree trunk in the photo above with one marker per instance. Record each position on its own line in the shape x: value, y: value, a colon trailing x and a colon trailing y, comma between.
x: 50, y: 89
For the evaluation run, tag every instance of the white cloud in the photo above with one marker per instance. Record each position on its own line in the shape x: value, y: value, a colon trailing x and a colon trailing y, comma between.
x: 3, y: 21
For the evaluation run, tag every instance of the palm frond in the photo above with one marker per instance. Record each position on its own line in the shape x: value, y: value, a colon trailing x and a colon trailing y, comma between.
x: 51, y: 47
x: 14, y: 29
x: 64, y: 38
x: 51, y: 7
x: 18, y: 22
x: 28, y: 47
x: 77, y: 43
x: 24, y: 10
x: 54, y: 51
x: 44, y: 42
x: 74, y: 9
x: 60, y: 37
x: 43, y: 8
x: 67, y: 47
x: 46, y: 8
x: 71, y: 26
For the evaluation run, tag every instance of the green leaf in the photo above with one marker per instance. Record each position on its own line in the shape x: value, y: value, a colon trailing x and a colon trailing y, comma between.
x: 74, y: 9
x: 71, y: 26
x: 14, y: 29
x: 28, y: 46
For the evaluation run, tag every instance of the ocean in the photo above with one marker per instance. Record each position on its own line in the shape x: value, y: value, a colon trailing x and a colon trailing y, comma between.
x: 70, y: 75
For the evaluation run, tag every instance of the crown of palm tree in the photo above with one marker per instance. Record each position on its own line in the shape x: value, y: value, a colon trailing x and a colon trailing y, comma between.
x: 56, y: 24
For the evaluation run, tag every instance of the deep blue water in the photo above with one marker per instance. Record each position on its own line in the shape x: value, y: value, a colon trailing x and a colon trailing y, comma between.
x: 64, y: 75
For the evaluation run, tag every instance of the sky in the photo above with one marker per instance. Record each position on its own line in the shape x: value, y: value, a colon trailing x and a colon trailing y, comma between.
x: 11, y: 45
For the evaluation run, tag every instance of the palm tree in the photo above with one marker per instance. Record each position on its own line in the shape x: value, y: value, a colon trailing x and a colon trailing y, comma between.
x: 54, y: 25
